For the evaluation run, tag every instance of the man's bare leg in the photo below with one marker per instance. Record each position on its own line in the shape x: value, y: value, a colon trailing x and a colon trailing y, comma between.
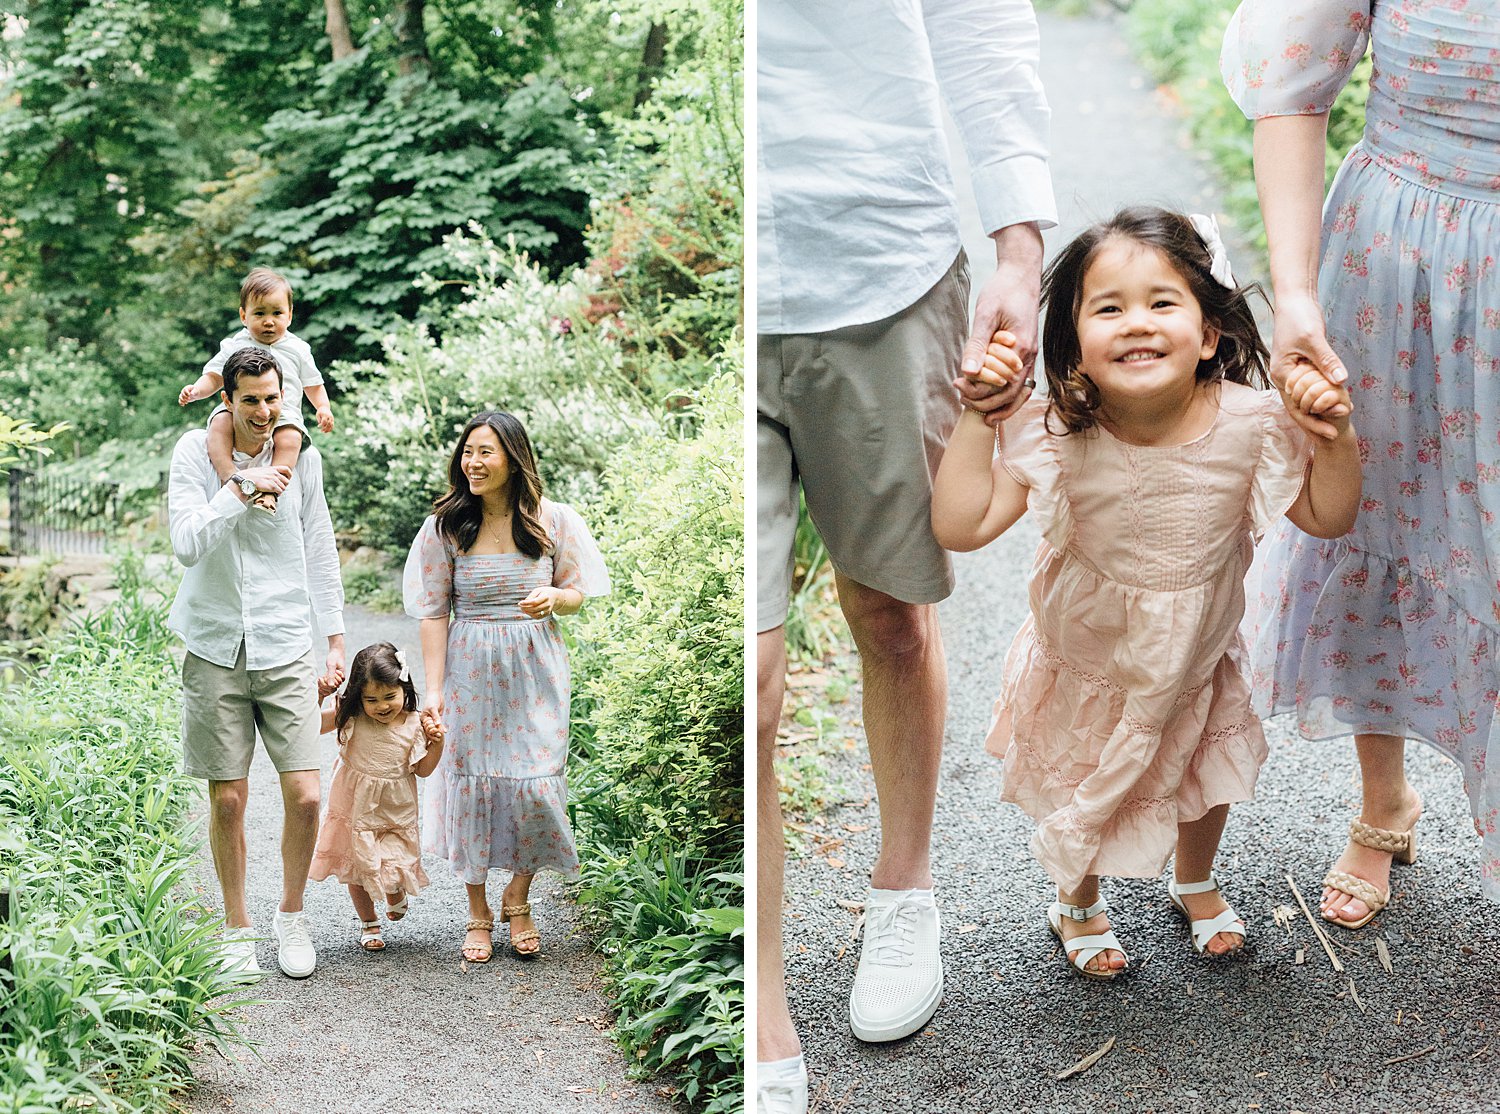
x: 905, y: 706
x: 300, y: 796
x: 226, y: 838
x: 776, y: 1037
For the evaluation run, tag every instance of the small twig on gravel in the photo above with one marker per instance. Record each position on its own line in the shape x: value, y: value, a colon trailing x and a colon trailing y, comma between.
x: 1354, y: 993
x: 1316, y: 927
x: 1090, y: 1060
x: 1384, y: 953
x: 1411, y: 1055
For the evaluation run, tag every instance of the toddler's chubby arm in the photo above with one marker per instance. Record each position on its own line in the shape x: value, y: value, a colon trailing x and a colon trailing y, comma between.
x: 974, y: 499
x: 317, y: 395
x: 433, y: 728
x: 206, y: 385
x: 1329, y: 502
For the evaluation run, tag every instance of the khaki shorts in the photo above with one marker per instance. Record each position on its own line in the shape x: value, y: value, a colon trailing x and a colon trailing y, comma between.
x: 859, y: 416
x: 223, y: 708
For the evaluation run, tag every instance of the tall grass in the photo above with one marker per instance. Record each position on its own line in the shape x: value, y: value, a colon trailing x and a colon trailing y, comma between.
x: 108, y: 974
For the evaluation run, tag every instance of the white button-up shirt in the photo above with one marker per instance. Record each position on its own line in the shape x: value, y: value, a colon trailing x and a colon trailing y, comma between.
x: 269, y: 581
x: 856, y: 214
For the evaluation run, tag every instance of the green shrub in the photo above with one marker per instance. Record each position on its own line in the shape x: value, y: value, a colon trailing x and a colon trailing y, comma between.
x: 659, y: 744
x: 110, y: 979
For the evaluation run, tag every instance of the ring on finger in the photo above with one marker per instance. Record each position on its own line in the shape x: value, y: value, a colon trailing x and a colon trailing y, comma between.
x: 1030, y: 382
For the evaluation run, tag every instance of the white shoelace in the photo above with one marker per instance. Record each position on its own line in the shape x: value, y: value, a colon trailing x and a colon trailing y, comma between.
x: 776, y: 1098
x: 294, y: 932
x: 890, y: 934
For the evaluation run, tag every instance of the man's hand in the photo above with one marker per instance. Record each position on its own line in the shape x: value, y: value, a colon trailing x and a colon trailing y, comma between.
x: 1002, y: 375
x: 1301, y: 357
x: 325, y: 420
x: 270, y: 477
x: 1007, y: 304
x: 333, y: 665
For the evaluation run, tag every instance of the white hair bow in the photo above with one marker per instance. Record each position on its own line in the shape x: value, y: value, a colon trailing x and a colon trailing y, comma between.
x: 1208, y: 228
x: 401, y: 661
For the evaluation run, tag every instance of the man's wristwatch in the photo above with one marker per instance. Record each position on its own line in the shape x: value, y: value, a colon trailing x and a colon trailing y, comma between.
x: 247, y: 487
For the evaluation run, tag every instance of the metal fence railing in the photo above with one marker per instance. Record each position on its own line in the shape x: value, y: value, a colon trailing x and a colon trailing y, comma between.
x: 50, y: 514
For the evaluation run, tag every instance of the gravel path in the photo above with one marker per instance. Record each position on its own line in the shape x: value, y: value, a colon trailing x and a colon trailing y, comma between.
x: 413, y: 1028
x: 1259, y: 1032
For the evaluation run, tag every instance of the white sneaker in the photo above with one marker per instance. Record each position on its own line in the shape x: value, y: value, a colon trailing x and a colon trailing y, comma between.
x: 296, y: 953
x: 237, y: 953
x: 781, y: 1087
x: 899, y: 982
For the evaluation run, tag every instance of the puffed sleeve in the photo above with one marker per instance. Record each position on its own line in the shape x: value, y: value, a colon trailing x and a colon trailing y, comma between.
x: 1282, y: 467
x: 428, y: 582
x: 576, y: 560
x: 1291, y: 57
x: 1029, y: 453
x: 418, y: 745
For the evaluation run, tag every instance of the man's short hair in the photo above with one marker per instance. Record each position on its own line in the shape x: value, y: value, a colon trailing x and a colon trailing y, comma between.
x: 248, y: 361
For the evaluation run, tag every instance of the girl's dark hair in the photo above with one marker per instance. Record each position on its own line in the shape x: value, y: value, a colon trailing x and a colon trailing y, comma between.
x: 376, y: 662
x: 458, y: 511
x: 1241, y: 355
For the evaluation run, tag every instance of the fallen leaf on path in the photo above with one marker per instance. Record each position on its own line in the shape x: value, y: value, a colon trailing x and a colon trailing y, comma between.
x: 836, y: 863
x: 963, y: 928
x: 1316, y: 927
x: 1354, y: 993
x: 1088, y: 1061
x: 856, y: 827
x: 1385, y: 955
x: 852, y: 906
x: 1301, y: 957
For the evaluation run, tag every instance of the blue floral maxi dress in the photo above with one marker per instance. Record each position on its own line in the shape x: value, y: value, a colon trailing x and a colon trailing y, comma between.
x: 498, y: 798
x: 1395, y: 629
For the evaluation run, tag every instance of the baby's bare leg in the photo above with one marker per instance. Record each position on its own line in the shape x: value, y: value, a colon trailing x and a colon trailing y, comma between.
x: 221, y: 445
x: 286, y: 446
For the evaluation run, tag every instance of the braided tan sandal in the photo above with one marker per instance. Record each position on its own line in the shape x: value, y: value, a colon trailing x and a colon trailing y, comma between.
x: 479, y: 924
x: 522, y: 910
x: 1401, y: 846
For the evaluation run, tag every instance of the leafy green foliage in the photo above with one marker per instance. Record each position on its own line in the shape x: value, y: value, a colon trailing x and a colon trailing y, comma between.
x: 112, y: 977
x: 370, y: 179
x: 659, y: 744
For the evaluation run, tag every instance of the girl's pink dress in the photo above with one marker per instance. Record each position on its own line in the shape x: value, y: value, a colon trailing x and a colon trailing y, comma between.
x: 1124, y: 709
x: 370, y: 836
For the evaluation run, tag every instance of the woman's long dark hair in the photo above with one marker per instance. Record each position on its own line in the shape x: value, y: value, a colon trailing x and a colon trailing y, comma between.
x: 376, y: 662
x: 1241, y: 356
x: 458, y: 511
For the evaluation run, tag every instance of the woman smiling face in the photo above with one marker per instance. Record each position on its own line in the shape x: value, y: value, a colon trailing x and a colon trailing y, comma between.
x: 485, y: 464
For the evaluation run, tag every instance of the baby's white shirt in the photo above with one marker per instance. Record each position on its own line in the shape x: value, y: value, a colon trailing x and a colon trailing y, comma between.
x: 292, y: 355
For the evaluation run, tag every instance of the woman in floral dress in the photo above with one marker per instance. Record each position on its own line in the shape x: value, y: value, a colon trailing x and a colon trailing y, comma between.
x: 487, y: 574
x: 1392, y: 632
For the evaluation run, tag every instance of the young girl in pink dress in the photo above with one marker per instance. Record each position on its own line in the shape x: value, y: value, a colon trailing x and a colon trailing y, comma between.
x: 369, y: 838
x: 1124, y: 718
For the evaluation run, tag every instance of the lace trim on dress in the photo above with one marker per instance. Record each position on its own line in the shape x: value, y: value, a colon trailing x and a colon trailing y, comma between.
x: 1057, y: 661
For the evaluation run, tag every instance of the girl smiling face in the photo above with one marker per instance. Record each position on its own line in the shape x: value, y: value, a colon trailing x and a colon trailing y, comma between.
x: 1140, y: 329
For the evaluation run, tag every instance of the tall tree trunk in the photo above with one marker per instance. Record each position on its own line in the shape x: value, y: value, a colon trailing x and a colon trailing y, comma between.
x: 338, y: 29
x: 652, y: 57
x: 411, y: 37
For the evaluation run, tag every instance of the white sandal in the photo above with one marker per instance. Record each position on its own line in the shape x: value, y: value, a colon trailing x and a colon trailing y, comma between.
x: 397, y: 909
x: 1205, y: 930
x: 1085, y: 947
x: 369, y: 936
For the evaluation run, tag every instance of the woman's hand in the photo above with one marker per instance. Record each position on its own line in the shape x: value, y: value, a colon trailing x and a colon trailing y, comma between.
x: 1302, y: 362
x: 542, y: 602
